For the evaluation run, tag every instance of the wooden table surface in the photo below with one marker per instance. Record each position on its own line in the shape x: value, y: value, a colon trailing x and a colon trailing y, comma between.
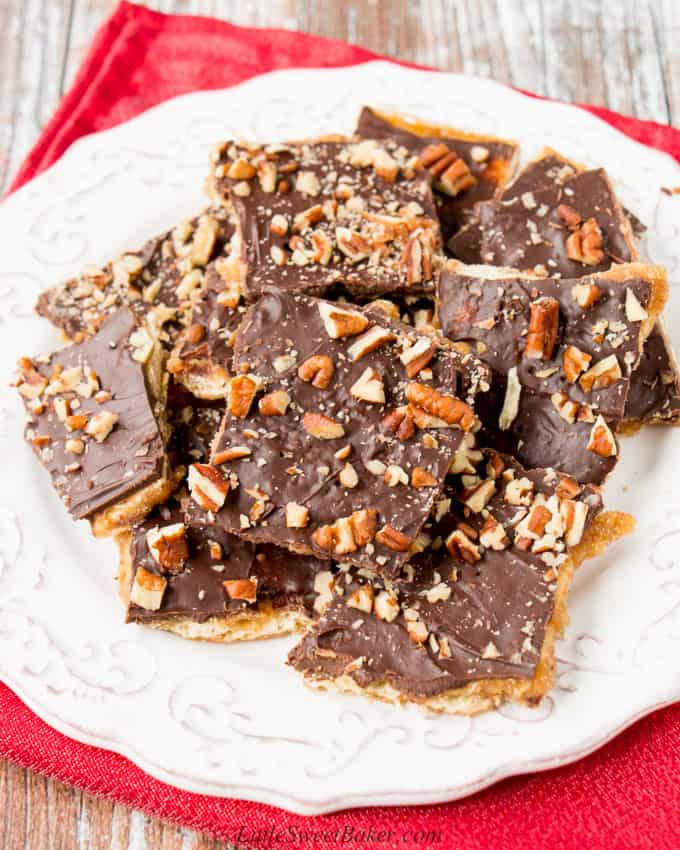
x: 626, y: 58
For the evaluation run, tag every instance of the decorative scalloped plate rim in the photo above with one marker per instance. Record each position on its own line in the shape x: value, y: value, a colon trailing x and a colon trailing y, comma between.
x: 96, y: 691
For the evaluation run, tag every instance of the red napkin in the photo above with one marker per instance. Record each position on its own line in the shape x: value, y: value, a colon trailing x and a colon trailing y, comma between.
x: 625, y: 796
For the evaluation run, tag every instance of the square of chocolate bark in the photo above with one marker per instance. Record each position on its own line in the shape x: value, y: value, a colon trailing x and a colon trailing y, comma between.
x: 341, y: 426
x: 472, y: 620
x: 337, y: 211
x: 555, y: 219
x: 562, y: 353
x: 159, y: 282
x: 202, y: 583
x: 96, y: 426
x: 465, y: 168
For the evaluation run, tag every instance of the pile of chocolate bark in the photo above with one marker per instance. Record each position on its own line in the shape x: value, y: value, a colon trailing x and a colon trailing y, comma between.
x: 370, y: 394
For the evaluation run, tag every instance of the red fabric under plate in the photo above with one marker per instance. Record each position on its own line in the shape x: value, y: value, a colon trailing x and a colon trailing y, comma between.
x: 625, y: 796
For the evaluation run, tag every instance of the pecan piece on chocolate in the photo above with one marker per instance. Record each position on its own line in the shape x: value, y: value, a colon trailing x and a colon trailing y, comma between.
x: 393, y: 539
x: 584, y: 245
x: 242, y: 390
x: 574, y: 361
x: 208, y: 486
x: 446, y: 408
x: 543, y: 328
x: 401, y: 423
x: 450, y: 173
x: 318, y: 370
x: 601, y: 439
x: 322, y: 427
x: 243, y: 589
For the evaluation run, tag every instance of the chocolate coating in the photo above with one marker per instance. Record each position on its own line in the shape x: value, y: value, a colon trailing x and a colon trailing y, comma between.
x: 490, y: 172
x: 148, y: 281
x: 493, y: 619
x: 523, y: 229
x: 284, y: 579
x: 494, y: 313
x: 363, y: 222
x: 133, y: 453
x: 289, y: 464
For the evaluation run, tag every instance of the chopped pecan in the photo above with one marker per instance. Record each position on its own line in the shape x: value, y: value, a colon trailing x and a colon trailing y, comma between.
x: 243, y: 589
x: 543, y: 328
x: 242, y: 391
x: 348, y: 476
x: 635, y: 312
x: 208, y: 486
x: 369, y: 387
x: 447, y: 408
x: 307, y: 218
x: 601, y: 375
x: 278, y: 225
x: 31, y: 384
x: 492, y: 535
x: 232, y: 453
x: 449, y: 172
x: 352, y: 244
x: 420, y: 478
x: 318, y: 369
x: 586, y: 294
x: 101, y: 425
x: 459, y: 545
x: 297, y: 516
x: 574, y: 515
x: 168, y: 546
x: 539, y: 516
x: 478, y: 498
x: 322, y: 427
x: 569, y: 215
x: 601, y: 439
x: 369, y: 341
x: 568, y: 488
x: 148, y: 590
x: 417, y: 356
x: 567, y: 408
x: 241, y: 169
x: 347, y: 534
x: 393, y: 539
x: 361, y: 598
x: 510, y: 409
x: 584, y: 245
x: 401, y: 423
x: 386, y: 606
x: 574, y: 361
x: 339, y: 322
x: 323, y: 247
x: 274, y: 403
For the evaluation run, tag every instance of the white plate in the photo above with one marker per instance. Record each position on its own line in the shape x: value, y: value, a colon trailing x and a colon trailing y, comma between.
x: 234, y: 721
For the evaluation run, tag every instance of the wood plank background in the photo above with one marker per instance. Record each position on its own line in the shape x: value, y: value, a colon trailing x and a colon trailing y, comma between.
x: 624, y: 54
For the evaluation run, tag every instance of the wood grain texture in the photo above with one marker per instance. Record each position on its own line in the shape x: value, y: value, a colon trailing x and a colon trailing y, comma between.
x: 624, y: 54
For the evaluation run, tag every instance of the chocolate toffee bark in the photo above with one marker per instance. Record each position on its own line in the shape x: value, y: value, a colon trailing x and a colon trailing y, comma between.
x: 556, y: 219
x: 562, y: 353
x: 313, y: 215
x: 96, y: 426
x: 654, y: 397
x: 340, y: 428
x: 473, y: 619
x: 465, y: 168
x: 159, y: 283
x: 204, y: 584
